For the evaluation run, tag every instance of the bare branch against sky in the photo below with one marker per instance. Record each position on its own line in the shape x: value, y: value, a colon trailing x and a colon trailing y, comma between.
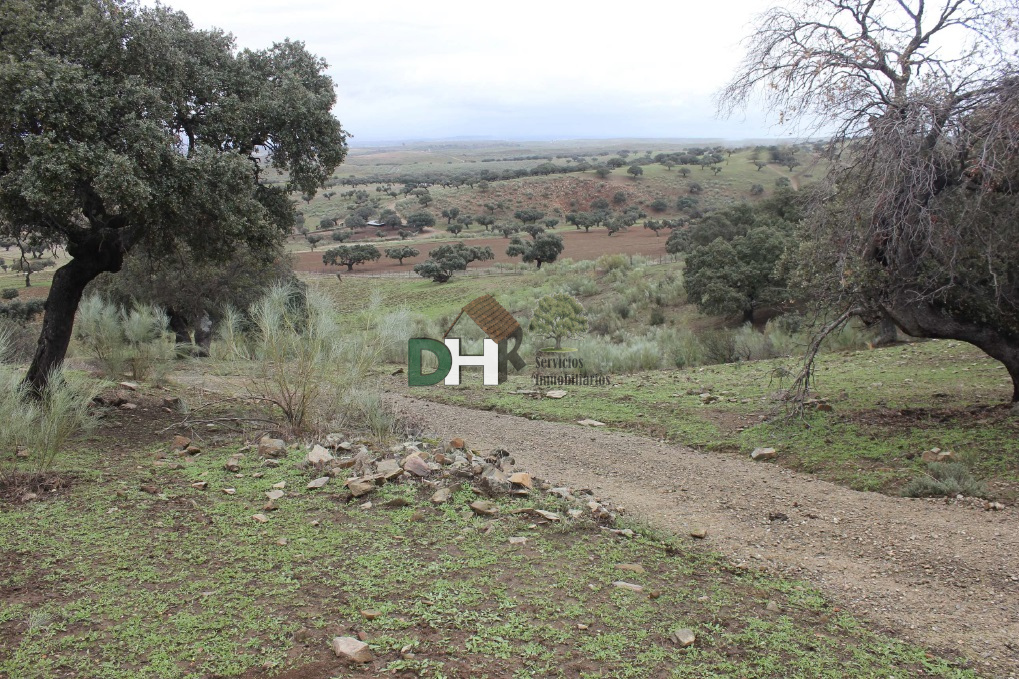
x: 529, y: 69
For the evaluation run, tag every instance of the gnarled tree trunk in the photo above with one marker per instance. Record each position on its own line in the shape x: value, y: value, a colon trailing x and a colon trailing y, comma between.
x: 921, y: 319
x: 91, y: 257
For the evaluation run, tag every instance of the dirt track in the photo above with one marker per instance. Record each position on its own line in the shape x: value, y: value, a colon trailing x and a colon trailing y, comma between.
x: 945, y: 576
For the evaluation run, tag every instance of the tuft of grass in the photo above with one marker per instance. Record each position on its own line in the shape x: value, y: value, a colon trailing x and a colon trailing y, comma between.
x: 945, y: 479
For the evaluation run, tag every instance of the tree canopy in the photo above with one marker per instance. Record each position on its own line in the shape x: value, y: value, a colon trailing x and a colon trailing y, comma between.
x: 131, y: 128
x: 545, y: 248
x: 350, y: 255
x: 558, y: 317
x: 916, y: 221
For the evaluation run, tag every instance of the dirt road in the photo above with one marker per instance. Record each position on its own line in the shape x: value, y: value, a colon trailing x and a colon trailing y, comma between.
x: 946, y: 576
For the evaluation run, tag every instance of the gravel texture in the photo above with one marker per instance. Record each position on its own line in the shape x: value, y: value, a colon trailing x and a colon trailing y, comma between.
x: 941, y: 574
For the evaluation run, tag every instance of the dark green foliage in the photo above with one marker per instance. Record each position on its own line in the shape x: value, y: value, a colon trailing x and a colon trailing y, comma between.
x: 22, y: 311
x: 529, y: 215
x: 349, y: 255
x: 129, y: 127
x: 421, y: 220
x: 9, y: 293
x: 635, y: 171
x: 340, y: 235
x: 446, y: 260
x: 659, y: 205
x: 545, y: 248
x: 402, y: 252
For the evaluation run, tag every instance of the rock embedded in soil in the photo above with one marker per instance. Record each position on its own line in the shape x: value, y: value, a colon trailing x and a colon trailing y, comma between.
x: 591, y: 423
x: 359, y: 487
x: 555, y: 393
x: 261, y: 518
x: 318, y: 483
x: 275, y: 494
x: 621, y: 584
x: 684, y: 637
x: 352, y: 650
x: 761, y: 454
x: 181, y: 442
x: 522, y: 479
x: 416, y: 466
x: 318, y: 456
x: 699, y: 533
x: 442, y: 496
x: 485, y: 508
x: 632, y: 567
x: 274, y: 448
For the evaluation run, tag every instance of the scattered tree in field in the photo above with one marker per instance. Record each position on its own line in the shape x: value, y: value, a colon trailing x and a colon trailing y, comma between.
x: 602, y: 172
x: 615, y: 163
x: 599, y: 204
x: 455, y: 229
x: 402, y: 252
x: 635, y: 170
x: 695, y: 188
x: 551, y: 223
x: 558, y: 317
x: 404, y: 234
x: 684, y: 172
x: 756, y: 190
x: 760, y: 164
x: 717, y: 169
x: 545, y: 248
x: 465, y: 221
x: 349, y: 255
x: 509, y: 230
x: 654, y: 226
x: 421, y: 220
x: 446, y: 260
x: 326, y: 223
x: 918, y: 221
x: 619, y: 198
x: 486, y: 221
x: 355, y: 221
x: 660, y: 205
x: 533, y: 230
x: 451, y: 214
x: 313, y: 240
x: 117, y: 119
x: 340, y: 236
x: 735, y: 278
x: 615, y: 226
x: 529, y: 215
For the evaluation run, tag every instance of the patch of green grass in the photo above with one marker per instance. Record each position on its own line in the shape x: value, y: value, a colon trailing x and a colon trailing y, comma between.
x: 112, y: 581
x: 888, y: 407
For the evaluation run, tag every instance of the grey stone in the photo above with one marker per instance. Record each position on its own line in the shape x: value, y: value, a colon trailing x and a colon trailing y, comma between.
x: 352, y: 650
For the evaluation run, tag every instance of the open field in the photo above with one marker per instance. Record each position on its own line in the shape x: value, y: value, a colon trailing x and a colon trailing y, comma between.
x: 578, y: 246
x: 129, y: 571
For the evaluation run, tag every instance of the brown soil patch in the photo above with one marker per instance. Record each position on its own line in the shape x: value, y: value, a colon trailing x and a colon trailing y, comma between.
x: 579, y: 245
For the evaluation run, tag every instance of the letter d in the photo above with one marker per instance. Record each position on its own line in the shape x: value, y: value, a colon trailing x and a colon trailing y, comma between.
x: 415, y: 347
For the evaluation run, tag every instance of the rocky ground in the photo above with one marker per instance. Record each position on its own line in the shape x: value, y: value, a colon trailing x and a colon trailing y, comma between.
x: 944, y: 574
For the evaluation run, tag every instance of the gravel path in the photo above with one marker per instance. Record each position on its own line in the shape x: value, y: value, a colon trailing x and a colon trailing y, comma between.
x: 946, y: 576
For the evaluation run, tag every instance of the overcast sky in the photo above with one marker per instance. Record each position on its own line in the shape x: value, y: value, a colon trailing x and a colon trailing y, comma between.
x: 558, y: 69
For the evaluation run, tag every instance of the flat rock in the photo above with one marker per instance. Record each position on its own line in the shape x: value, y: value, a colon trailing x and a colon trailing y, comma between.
x: 387, y: 467
x: 230, y: 491
x: 319, y: 455
x: 518, y: 541
x: 200, y: 485
x: 485, y: 508
x: 522, y: 479
x: 684, y: 637
x: 269, y: 447
x: 416, y: 466
x: 442, y: 496
x: 181, y: 442
x: 352, y: 650
x: 233, y: 463
x: 699, y: 533
x: 261, y: 518
x: 359, y: 487
x: 318, y: 483
x: 763, y: 454
x: 591, y: 423
x: 275, y: 494
x: 628, y: 585
x: 555, y: 393
x: 130, y: 386
x: 371, y: 614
